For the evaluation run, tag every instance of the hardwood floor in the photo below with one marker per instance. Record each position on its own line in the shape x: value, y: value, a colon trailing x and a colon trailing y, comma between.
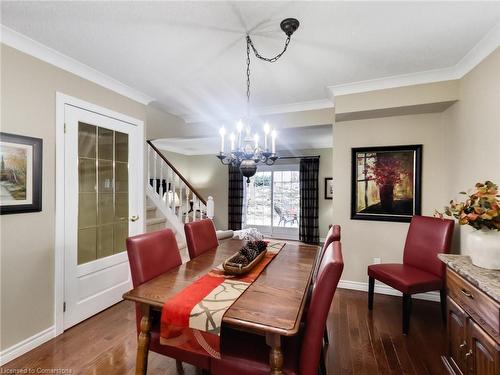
x: 360, y: 342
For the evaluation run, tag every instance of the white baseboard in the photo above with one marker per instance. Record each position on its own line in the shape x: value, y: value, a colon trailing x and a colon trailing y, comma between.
x: 26, y: 345
x: 385, y: 289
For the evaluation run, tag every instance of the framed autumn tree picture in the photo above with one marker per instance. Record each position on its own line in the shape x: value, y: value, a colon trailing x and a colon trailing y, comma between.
x: 386, y: 183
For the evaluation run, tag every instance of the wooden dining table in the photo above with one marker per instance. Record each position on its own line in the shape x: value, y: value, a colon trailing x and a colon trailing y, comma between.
x: 272, y: 305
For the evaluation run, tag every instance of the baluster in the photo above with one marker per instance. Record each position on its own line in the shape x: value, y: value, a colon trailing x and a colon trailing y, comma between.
x: 194, y: 206
x: 188, y: 194
x: 156, y: 173
x: 181, y: 209
x: 167, y: 181
x: 162, y: 192
x: 149, y: 164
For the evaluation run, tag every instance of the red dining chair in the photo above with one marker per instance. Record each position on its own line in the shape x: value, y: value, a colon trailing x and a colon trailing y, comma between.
x: 245, y: 353
x: 333, y: 235
x: 150, y: 255
x: 200, y: 237
x: 421, y: 270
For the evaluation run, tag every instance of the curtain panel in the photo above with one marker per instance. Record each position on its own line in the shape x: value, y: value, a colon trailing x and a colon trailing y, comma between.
x: 308, y: 228
x: 235, y: 199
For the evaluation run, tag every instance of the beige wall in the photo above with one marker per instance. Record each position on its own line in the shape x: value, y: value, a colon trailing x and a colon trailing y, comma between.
x: 210, y: 177
x: 364, y: 240
x: 28, y: 92
x: 161, y: 124
x: 473, y: 125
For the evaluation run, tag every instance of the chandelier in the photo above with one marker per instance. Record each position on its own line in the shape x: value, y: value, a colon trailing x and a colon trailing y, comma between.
x: 245, y: 151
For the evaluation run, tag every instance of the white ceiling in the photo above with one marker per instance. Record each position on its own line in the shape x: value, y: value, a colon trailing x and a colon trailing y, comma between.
x: 293, y: 139
x: 190, y: 56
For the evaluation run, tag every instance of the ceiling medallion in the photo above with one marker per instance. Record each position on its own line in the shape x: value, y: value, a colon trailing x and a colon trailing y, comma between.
x: 245, y: 151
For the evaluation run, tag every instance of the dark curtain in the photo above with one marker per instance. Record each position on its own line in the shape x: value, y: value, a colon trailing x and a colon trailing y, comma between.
x: 308, y: 229
x: 235, y: 201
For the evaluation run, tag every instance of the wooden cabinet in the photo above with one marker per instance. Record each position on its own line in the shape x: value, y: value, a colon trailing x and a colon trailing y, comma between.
x: 473, y: 342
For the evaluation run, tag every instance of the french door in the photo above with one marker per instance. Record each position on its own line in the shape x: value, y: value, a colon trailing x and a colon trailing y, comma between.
x: 272, y: 201
x: 102, y: 209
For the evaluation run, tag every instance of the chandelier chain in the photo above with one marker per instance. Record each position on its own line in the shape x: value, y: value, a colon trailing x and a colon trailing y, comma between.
x: 258, y: 55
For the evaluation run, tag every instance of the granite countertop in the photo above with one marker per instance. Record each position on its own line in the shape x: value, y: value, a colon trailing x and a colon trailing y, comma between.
x: 486, y: 280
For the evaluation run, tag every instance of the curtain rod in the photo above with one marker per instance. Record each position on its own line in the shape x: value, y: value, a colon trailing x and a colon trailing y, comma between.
x: 300, y: 157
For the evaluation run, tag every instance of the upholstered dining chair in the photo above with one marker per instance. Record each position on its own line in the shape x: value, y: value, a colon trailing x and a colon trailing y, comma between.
x: 421, y: 270
x: 200, y: 237
x: 151, y: 254
x: 333, y: 235
x: 245, y: 353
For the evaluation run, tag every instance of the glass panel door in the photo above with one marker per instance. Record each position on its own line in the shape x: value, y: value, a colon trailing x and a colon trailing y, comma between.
x: 102, y: 192
x: 272, y: 201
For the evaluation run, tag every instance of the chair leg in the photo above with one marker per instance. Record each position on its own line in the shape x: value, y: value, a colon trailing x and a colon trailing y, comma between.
x: 325, y: 336
x: 371, y: 290
x: 406, y: 313
x: 442, y: 297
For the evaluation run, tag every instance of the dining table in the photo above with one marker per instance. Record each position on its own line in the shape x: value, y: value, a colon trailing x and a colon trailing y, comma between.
x: 272, y: 306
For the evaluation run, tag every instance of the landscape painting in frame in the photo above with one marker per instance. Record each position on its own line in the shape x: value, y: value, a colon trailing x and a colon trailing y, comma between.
x: 20, y: 174
x: 386, y: 183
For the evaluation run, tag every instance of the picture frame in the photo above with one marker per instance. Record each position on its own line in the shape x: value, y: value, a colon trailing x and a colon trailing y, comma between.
x: 20, y: 174
x: 328, y: 188
x: 386, y: 183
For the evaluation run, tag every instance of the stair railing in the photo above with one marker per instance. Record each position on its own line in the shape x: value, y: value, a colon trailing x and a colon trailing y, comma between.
x: 172, y: 193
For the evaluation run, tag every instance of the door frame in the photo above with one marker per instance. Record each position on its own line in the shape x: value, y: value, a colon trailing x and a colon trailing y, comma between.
x: 61, y: 101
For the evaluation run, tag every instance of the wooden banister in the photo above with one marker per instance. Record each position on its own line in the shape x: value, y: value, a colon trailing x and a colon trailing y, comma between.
x: 193, y: 190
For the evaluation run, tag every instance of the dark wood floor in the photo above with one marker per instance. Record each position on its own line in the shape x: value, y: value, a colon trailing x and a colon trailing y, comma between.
x: 360, y: 342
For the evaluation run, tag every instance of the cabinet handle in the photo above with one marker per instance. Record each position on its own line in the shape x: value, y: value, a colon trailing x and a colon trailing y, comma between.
x: 463, y: 345
x: 134, y: 218
x: 466, y: 293
x: 468, y: 354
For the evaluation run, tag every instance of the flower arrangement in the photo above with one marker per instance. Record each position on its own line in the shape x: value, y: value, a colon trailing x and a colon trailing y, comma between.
x: 386, y: 171
x: 480, y: 210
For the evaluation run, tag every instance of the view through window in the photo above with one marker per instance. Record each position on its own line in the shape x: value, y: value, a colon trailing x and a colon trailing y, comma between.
x: 272, y: 200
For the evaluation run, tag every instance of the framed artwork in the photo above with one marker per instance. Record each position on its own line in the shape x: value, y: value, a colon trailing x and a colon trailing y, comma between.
x: 20, y: 174
x: 328, y: 188
x: 386, y: 183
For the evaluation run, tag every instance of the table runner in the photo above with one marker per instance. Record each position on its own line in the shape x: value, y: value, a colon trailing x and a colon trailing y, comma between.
x: 191, y: 320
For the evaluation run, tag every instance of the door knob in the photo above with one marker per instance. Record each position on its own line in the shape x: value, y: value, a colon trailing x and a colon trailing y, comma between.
x: 463, y: 345
x: 468, y: 354
x: 134, y: 218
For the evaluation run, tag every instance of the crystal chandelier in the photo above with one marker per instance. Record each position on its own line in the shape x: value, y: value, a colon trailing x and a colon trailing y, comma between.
x: 244, y: 151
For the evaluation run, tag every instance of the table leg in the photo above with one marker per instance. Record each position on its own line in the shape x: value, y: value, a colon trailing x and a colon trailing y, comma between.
x: 141, y: 364
x: 275, y: 354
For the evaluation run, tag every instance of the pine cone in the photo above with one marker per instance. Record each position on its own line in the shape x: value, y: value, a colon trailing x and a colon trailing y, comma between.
x: 261, y: 246
x: 251, y: 245
x: 240, y: 259
x: 248, y: 253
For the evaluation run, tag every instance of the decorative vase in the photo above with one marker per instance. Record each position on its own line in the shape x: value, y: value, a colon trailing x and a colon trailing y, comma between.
x: 386, y: 196
x: 483, y: 247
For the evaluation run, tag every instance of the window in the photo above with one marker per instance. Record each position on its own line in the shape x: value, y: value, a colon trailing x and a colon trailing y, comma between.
x: 272, y: 201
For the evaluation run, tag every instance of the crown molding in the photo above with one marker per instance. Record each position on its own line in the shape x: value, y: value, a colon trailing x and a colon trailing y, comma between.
x: 42, y: 52
x: 478, y: 53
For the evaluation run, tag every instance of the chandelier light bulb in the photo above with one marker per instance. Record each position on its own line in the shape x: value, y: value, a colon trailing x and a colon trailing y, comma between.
x: 232, y: 138
x: 273, y: 137
x: 256, y: 140
x: 222, y: 132
x: 267, y: 128
x: 239, y: 126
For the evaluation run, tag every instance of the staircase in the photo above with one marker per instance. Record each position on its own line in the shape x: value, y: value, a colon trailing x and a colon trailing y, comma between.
x: 171, y: 200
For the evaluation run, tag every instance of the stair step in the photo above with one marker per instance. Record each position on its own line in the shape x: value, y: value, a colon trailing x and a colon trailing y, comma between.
x: 156, y: 220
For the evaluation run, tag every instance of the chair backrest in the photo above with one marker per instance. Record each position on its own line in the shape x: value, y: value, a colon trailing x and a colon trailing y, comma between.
x: 329, y: 274
x: 333, y: 235
x: 151, y: 254
x: 278, y: 210
x: 427, y: 237
x: 200, y: 237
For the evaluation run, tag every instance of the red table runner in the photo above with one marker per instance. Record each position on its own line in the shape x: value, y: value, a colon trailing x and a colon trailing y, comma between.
x: 191, y: 320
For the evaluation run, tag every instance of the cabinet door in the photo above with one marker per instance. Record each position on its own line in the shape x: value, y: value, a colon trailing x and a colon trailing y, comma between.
x: 457, y: 339
x: 485, y: 352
